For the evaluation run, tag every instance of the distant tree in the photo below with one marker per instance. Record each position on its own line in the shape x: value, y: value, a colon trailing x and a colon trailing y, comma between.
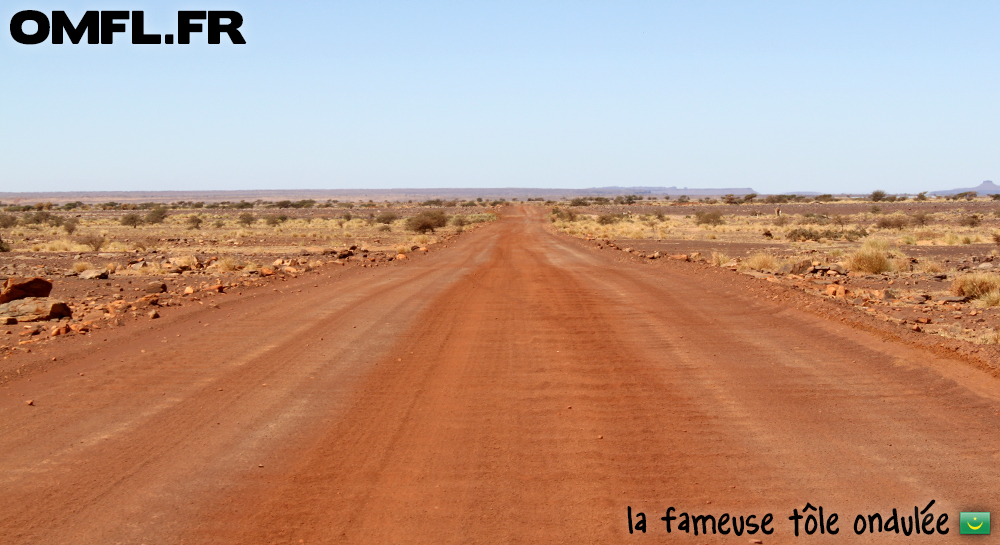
x: 131, y: 220
x: 156, y: 215
x: 387, y: 217
x: 70, y: 224
x: 427, y: 221
x: 749, y: 198
x: 246, y: 219
x: 193, y: 221
x: 922, y: 196
x: 877, y: 195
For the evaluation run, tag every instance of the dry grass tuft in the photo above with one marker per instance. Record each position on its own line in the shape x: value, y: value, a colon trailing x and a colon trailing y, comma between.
x: 763, y: 261
x: 719, y: 259
x: 873, y: 257
x: 81, y: 266
x: 976, y: 285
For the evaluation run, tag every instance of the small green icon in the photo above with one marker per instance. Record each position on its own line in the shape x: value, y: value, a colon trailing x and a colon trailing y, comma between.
x: 974, y: 523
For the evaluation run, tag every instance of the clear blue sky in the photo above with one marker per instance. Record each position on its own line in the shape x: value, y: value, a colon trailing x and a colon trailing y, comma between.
x: 778, y: 96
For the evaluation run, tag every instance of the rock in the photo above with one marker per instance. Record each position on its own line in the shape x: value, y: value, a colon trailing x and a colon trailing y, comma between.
x: 924, y: 321
x: 94, y: 274
x: 838, y: 269
x: 188, y: 290
x: 290, y: 270
x: 266, y: 272
x: 400, y: 257
x: 34, y: 309
x: 952, y: 299
x: 138, y: 266
x: 278, y: 262
x: 218, y: 288
x: 985, y: 266
x: 14, y: 289
x: 422, y: 249
x: 680, y: 257
x: 800, y: 267
x: 153, y: 314
x: 916, y: 328
x: 29, y: 402
x: 60, y: 330
x: 156, y: 287
x: 8, y: 320
x: 731, y: 264
x: 887, y: 294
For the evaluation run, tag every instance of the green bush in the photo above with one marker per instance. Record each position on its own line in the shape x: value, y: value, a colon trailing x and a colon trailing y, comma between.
x: 427, y: 221
x: 387, y: 217
x: 132, y: 220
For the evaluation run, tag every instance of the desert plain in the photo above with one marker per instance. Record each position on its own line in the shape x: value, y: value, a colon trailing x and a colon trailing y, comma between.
x: 502, y: 371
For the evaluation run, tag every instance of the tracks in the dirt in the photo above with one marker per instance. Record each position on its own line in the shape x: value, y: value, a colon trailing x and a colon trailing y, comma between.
x: 514, y: 388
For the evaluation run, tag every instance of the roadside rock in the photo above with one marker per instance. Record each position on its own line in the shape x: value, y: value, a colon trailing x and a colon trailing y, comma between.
x: 33, y: 309
x: 800, y: 267
x: 156, y: 287
x: 14, y: 289
x: 94, y: 274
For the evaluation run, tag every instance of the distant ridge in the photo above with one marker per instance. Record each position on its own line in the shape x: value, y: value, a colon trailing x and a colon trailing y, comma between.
x: 359, y: 194
x: 985, y: 188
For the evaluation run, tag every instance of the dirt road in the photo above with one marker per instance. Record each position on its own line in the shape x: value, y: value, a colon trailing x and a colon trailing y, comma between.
x: 516, y: 387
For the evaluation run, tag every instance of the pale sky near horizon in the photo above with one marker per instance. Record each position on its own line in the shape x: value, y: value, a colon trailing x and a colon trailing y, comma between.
x: 777, y: 96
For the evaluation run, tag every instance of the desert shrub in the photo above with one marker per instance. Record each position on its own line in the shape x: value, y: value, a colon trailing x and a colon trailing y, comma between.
x: 976, y: 285
x: 7, y: 221
x: 802, y: 235
x: 564, y: 215
x: 708, y: 218
x: 4, y: 246
x: 246, y: 219
x: 385, y: 228
x: 218, y: 224
x: 873, y: 257
x: 763, y: 261
x: 427, y: 221
x: 193, y: 221
x: 579, y: 201
x: 132, y: 220
x: 81, y: 266
x: 920, y: 219
x: 94, y: 242
x: 70, y: 224
x: 156, y: 215
x: 387, y: 217
x: 781, y: 221
x: 891, y: 222
x: 608, y: 219
x: 875, y: 209
x: 972, y: 220
x: 272, y: 219
x: 459, y: 221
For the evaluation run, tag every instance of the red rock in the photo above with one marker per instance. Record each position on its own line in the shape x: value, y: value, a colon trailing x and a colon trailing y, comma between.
x: 14, y: 289
x: 33, y: 309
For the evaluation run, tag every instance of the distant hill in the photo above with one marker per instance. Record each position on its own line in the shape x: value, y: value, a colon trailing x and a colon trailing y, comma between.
x: 416, y: 194
x: 985, y: 188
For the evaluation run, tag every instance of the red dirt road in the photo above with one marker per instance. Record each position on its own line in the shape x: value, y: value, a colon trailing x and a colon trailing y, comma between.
x: 516, y: 387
